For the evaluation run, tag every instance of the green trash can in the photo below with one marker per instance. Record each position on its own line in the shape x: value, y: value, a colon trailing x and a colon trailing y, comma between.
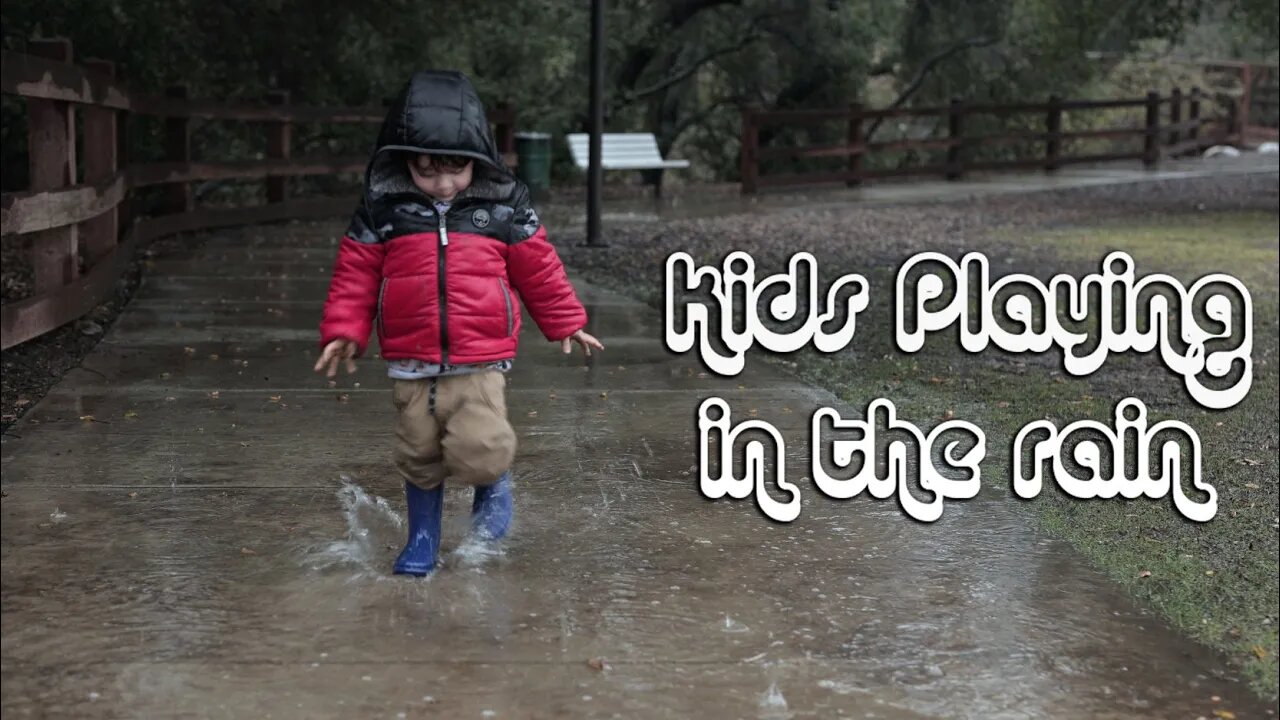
x: 533, y: 149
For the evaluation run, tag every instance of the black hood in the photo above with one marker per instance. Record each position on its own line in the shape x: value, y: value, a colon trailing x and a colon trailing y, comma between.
x: 438, y: 111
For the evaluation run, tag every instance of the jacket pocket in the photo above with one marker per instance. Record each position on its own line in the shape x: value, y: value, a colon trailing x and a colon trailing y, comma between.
x: 506, y: 298
x: 382, y: 291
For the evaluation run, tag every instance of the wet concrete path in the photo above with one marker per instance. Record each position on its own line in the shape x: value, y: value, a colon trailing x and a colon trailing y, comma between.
x: 194, y: 525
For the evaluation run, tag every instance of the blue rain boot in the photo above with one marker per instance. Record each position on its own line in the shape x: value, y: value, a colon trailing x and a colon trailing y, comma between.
x: 425, y: 510
x: 491, y: 510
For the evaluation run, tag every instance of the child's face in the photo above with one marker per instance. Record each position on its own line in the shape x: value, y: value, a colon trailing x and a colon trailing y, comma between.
x: 438, y: 180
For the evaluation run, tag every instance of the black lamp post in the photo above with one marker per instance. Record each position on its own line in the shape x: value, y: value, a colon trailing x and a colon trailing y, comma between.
x: 594, y: 170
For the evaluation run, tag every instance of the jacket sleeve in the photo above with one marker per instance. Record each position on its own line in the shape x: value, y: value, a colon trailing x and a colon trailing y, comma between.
x: 538, y: 275
x: 353, y: 292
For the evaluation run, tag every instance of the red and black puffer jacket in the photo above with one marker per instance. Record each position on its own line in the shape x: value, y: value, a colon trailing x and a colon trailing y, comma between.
x: 445, y: 288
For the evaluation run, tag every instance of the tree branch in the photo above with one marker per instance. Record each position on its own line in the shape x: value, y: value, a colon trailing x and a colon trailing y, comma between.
x: 686, y: 72
x: 642, y: 53
x: 701, y: 115
x: 923, y: 73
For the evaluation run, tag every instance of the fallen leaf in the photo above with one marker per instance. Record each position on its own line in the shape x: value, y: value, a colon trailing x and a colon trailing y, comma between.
x: 533, y: 413
x: 1251, y: 461
x: 1002, y: 404
x: 604, y: 394
x: 188, y: 351
x: 130, y: 414
x: 133, y: 494
x: 213, y: 356
x: 22, y: 402
x: 213, y: 394
x: 344, y: 397
x: 1224, y: 714
x: 87, y: 418
x: 1208, y: 572
x: 935, y: 380
x: 275, y: 398
x: 1259, y: 652
x: 1144, y: 574
x: 247, y: 551
x: 598, y: 664
x: 948, y: 414
x: 551, y: 396
x: 1251, y: 486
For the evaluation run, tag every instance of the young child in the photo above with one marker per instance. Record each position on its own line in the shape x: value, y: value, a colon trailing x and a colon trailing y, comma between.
x: 439, y: 253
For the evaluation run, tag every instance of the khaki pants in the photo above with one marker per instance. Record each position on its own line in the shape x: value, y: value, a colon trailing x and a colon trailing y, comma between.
x: 453, y: 428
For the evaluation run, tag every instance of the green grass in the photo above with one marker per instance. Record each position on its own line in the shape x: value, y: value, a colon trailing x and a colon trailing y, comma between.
x: 1217, y: 581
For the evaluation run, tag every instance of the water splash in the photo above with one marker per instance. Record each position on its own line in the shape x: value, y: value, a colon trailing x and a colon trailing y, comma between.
x: 733, y: 626
x: 372, y: 524
x: 57, y: 515
x: 474, y: 552
x: 773, y: 705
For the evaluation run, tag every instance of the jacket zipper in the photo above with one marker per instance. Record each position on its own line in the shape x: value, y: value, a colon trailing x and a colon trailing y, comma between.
x: 444, y: 310
x: 382, y: 291
x: 506, y: 297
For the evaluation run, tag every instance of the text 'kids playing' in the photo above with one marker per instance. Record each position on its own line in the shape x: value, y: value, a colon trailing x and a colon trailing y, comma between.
x: 438, y: 256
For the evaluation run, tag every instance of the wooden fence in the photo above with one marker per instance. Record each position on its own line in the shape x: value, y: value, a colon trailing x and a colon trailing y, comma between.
x: 1258, y: 105
x: 1173, y: 125
x: 76, y: 229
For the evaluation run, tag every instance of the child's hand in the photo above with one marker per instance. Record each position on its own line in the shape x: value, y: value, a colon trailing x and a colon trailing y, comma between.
x: 586, y: 341
x: 335, y: 351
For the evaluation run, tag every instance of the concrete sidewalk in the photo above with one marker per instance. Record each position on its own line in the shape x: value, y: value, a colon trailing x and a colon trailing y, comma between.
x: 195, y: 525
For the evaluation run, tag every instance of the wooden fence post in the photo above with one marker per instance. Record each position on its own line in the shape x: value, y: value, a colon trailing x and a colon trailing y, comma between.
x: 1245, y: 102
x: 177, y: 149
x: 1053, y: 131
x: 1175, y: 116
x: 955, y: 130
x: 1151, y: 141
x: 505, y: 131
x: 51, y: 157
x: 279, y: 146
x: 854, y: 140
x: 1231, y: 132
x: 100, y: 164
x: 750, y: 167
x: 1193, y: 115
x: 124, y: 146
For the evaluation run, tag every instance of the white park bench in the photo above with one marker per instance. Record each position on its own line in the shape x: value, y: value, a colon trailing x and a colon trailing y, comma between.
x: 623, y: 151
